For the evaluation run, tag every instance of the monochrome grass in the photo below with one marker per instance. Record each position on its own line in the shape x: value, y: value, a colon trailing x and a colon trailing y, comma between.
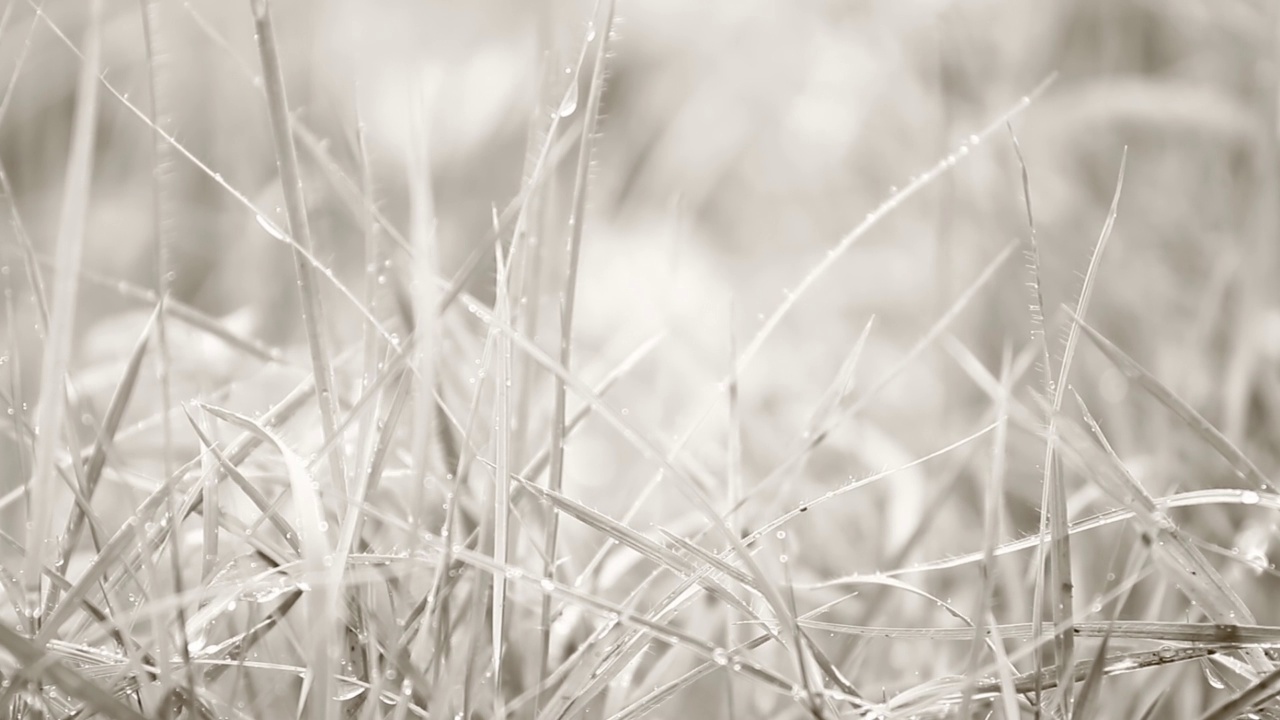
x: 615, y: 360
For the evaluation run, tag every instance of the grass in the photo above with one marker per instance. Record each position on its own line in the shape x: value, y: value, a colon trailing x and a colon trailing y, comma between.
x: 638, y: 360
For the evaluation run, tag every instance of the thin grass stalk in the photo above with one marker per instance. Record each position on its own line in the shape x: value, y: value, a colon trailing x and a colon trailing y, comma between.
x: 354, y: 198
x: 502, y: 478
x: 98, y: 455
x: 41, y: 545
x: 16, y: 400
x: 278, y: 234
x: 992, y: 511
x: 317, y: 554
x: 20, y: 62
x: 176, y: 310
x: 1244, y: 467
x: 1039, y: 331
x: 161, y: 186
x: 1004, y: 672
x: 162, y: 201
x: 424, y: 293
x: 1054, y: 496
x: 437, y: 600
x: 1190, y: 571
x: 819, y: 433
x: 299, y: 228
x: 373, y: 269
x: 1195, y: 498
x: 873, y: 218
x: 735, y: 490
x: 568, y: 296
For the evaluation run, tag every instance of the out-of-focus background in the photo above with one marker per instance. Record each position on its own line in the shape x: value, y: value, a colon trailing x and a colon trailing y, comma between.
x: 739, y: 141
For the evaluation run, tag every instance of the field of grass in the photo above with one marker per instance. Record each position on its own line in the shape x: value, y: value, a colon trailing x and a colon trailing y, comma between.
x: 612, y: 359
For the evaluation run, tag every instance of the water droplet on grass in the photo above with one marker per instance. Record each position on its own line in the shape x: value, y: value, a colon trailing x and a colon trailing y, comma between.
x: 269, y: 227
x: 569, y: 104
x: 347, y: 691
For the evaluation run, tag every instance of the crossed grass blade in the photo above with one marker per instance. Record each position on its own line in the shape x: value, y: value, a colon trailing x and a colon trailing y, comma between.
x: 1243, y: 466
x: 568, y: 299
x: 42, y: 665
x: 992, y: 511
x: 277, y: 233
x: 1257, y: 695
x: 313, y: 319
x: 316, y: 555
x: 1054, y: 523
x: 98, y: 454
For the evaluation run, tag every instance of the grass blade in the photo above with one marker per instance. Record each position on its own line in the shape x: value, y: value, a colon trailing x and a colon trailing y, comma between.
x: 98, y: 455
x: 1194, y: 575
x: 918, y: 183
x: 250, y: 490
x: 1087, y: 702
x: 502, y: 480
x: 41, y: 546
x: 568, y: 299
x: 299, y: 227
x: 40, y: 663
x: 992, y: 512
x: 1054, y: 495
x: 817, y: 437
x: 1254, y: 696
x: 425, y: 295
x: 1243, y: 466
x: 316, y: 555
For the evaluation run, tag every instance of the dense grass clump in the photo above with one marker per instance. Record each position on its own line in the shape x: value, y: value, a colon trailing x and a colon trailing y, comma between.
x: 616, y: 360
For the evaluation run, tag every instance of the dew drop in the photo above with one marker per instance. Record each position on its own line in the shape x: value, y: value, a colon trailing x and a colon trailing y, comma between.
x: 569, y: 104
x: 347, y: 691
x: 269, y: 227
x: 1211, y: 675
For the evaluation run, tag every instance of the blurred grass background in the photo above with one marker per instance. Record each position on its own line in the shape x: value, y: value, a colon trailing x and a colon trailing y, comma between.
x: 740, y: 139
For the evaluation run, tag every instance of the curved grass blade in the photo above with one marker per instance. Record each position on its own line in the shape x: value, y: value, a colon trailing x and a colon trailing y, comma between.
x: 874, y: 217
x: 1195, y: 498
